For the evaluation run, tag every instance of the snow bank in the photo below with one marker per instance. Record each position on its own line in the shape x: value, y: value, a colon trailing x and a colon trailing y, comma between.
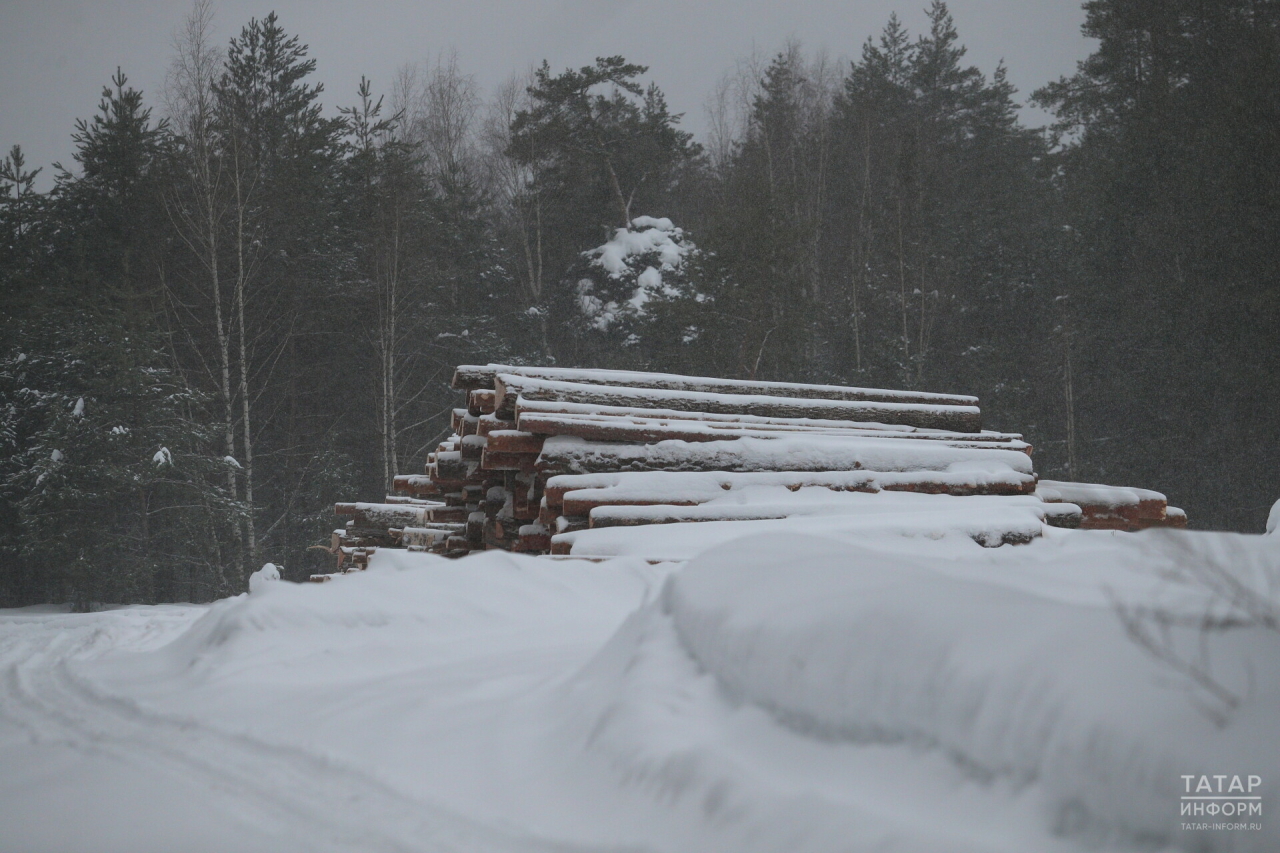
x: 1021, y: 683
x: 405, y: 594
x: 782, y: 693
x: 263, y: 576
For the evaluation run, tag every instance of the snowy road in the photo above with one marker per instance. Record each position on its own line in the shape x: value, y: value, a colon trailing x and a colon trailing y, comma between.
x: 147, y: 781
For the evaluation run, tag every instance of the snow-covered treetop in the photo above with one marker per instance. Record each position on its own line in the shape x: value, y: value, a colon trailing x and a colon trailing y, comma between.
x: 642, y: 261
x: 647, y: 235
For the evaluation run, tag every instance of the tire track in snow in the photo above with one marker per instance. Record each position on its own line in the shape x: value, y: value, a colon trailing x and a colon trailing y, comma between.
x: 315, y: 802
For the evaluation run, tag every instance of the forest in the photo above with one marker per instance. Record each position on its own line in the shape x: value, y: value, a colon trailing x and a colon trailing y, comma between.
x: 244, y: 299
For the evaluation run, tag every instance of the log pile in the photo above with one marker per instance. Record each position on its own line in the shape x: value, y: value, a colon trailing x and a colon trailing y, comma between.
x: 1113, y: 507
x: 540, y: 453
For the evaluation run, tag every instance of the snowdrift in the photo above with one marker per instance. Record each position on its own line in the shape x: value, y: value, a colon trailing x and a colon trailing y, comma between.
x: 829, y: 696
x: 782, y: 692
x: 1033, y: 686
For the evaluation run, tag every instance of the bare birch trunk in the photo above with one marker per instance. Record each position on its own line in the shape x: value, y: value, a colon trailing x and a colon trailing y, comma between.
x: 1069, y: 396
x: 189, y: 98
x: 902, y: 288
x: 246, y: 428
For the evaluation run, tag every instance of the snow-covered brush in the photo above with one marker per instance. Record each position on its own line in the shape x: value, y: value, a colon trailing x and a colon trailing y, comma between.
x: 267, y: 574
x: 1239, y: 587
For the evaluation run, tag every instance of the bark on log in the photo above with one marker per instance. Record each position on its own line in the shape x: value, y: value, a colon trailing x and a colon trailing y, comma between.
x: 603, y: 412
x: 564, y: 455
x: 571, y: 523
x: 447, y: 514
x: 480, y: 402
x: 382, y: 516
x: 956, y: 418
x: 514, y: 441
x: 427, y: 536
x: 473, y: 447
x: 490, y: 423
x: 640, y: 430
x: 475, y: 529
x: 519, y: 462
x: 456, y: 418
x: 533, y: 538
x: 470, y: 377
x: 666, y: 487
x: 449, y: 465
x: 418, y: 485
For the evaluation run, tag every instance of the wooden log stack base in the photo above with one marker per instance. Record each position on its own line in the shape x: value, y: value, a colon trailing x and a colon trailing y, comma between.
x: 540, y: 457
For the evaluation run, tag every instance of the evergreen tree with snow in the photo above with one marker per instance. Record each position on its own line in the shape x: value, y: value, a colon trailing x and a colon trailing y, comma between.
x: 109, y: 476
x: 644, y: 291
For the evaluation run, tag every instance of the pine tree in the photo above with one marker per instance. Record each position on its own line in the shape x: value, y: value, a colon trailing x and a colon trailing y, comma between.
x: 603, y: 150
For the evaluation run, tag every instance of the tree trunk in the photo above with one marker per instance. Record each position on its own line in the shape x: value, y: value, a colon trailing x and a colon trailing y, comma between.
x: 251, y: 543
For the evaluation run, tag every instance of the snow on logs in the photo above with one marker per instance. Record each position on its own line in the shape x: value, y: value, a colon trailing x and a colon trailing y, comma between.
x: 510, y: 388
x: 638, y: 428
x: 469, y: 377
x: 807, y: 453
x: 578, y: 495
x: 526, y: 407
x: 1113, y: 507
x: 560, y: 460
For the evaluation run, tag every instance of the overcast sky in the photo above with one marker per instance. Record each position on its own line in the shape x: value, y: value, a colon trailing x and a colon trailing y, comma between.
x: 55, y: 55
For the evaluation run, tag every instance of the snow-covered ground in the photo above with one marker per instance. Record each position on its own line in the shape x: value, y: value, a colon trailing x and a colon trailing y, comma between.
x: 780, y: 692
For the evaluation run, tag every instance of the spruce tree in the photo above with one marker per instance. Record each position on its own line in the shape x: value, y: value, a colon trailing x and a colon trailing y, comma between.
x: 284, y: 245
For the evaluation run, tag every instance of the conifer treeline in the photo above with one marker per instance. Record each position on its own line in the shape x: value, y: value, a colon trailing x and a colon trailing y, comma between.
x: 238, y: 307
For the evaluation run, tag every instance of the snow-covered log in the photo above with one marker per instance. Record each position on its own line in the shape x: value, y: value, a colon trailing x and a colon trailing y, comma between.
x: 1057, y: 515
x: 1113, y: 507
x: 472, y: 377
x: 596, y: 410
x: 579, y: 494
x: 566, y: 455
x: 510, y: 388
x: 645, y: 430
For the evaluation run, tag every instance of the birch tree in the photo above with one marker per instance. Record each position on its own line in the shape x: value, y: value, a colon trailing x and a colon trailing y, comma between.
x: 196, y: 203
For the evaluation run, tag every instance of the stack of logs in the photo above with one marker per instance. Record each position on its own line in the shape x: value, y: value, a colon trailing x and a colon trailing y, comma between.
x: 541, y: 451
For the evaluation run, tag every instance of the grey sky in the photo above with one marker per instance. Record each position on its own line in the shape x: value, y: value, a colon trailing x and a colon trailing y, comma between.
x: 55, y: 55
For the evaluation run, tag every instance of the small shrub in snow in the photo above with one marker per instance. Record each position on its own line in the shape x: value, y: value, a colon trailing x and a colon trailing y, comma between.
x: 263, y: 576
